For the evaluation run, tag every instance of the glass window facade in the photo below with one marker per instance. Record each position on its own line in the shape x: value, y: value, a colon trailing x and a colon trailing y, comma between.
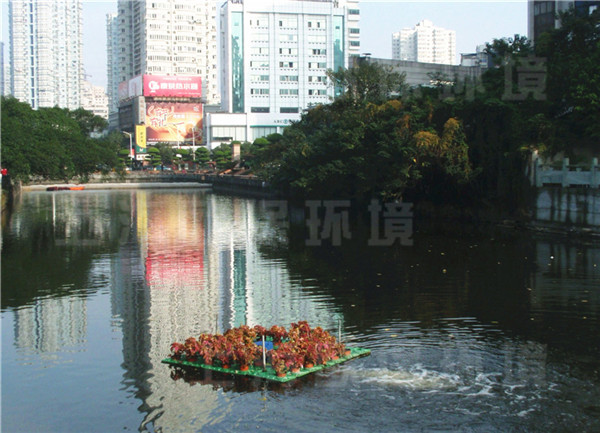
x: 262, y: 131
x: 237, y: 61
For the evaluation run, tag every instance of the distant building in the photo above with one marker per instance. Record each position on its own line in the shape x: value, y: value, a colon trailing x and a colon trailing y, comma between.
x: 274, y: 59
x: 429, y: 74
x: 2, y: 68
x: 425, y: 43
x: 478, y: 58
x: 46, y: 66
x: 542, y: 14
x: 163, y: 68
x: 170, y: 37
x: 112, y: 69
x: 94, y: 99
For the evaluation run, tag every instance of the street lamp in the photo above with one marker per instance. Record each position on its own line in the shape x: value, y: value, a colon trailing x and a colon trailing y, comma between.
x: 130, y: 146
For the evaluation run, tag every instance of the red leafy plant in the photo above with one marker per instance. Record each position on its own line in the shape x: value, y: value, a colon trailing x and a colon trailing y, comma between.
x: 278, y: 333
x: 301, y: 346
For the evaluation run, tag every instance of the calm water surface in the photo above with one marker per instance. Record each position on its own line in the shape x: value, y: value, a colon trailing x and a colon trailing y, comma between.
x: 471, y: 329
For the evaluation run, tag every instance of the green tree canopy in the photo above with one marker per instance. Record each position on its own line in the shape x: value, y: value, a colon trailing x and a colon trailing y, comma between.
x: 367, y: 82
x: 573, y: 83
x: 52, y: 142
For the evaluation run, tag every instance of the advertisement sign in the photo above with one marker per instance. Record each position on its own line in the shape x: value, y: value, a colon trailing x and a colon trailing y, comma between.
x: 140, y: 137
x: 172, y: 86
x: 173, y: 122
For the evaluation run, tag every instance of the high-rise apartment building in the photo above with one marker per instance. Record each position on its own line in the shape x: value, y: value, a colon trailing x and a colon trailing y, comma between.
x: 167, y: 37
x: 2, y: 68
x: 112, y: 69
x: 94, y: 99
x: 46, y: 62
x: 543, y: 14
x: 425, y: 43
x: 274, y: 59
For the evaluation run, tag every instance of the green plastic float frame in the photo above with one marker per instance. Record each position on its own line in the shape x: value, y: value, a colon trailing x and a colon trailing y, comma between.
x: 268, y: 373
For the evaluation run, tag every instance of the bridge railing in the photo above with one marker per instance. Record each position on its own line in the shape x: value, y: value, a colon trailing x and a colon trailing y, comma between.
x: 568, y: 175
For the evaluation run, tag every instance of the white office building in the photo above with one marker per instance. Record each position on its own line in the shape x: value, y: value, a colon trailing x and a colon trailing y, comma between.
x: 425, y: 43
x: 46, y: 63
x: 94, y: 99
x: 167, y: 37
x: 274, y: 58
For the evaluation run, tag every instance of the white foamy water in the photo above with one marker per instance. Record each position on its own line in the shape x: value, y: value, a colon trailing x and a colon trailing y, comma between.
x: 414, y: 378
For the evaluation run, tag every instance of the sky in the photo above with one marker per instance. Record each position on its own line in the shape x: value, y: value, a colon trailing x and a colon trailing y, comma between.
x: 475, y: 23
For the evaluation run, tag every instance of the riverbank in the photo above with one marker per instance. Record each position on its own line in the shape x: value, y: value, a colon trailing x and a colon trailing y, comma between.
x: 571, y: 212
x: 121, y: 185
x: 231, y: 184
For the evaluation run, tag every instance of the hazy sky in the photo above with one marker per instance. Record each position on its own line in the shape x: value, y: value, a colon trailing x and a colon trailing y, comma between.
x: 475, y: 23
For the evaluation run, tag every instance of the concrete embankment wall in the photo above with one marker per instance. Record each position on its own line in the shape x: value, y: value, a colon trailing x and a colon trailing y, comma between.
x: 240, y: 185
x: 577, y: 207
x: 222, y: 183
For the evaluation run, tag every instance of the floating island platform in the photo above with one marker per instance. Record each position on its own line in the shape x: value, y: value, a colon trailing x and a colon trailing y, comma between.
x: 268, y: 372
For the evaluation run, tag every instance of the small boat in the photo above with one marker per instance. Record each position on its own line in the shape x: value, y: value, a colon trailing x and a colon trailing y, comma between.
x: 65, y: 188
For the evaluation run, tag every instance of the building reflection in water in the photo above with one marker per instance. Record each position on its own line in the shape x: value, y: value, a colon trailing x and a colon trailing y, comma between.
x: 177, y: 264
x: 204, y: 273
x: 52, y: 325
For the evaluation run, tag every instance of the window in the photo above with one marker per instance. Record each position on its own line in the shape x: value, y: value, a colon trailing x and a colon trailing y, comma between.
x: 288, y: 38
x: 259, y: 91
x: 260, y: 37
x: 288, y: 22
x: 354, y: 43
x: 292, y: 92
x: 258, y: 132
x: 286, y: 64
x: 260, y: 51
x: 317, y: 39
x: 353, y: 12
x: 259, y: 109
x: 288, y: 110
x: 288, y: 78
x: 288, y: 51
x: 354, y: 31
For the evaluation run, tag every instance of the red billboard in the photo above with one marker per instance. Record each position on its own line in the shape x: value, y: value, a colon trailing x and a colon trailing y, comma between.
x: 173, y: 86
x: 173, y: 122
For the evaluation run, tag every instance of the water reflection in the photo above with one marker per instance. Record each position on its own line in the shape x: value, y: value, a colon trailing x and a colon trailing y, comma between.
x: 477, y: 322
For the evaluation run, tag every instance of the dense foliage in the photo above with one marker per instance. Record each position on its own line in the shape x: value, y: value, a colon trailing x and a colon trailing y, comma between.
x: 455, y: 144
x: 54, y: 143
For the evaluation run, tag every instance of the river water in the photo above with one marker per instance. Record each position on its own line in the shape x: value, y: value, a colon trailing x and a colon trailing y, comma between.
x: 471, y: 328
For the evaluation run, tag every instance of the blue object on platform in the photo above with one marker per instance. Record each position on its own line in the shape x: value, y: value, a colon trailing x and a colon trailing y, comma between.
x: 268, y: 344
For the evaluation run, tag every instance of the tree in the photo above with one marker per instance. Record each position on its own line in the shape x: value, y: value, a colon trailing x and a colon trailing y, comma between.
x: 202, y: 155
x: 18, y: 137
x: 500, y: 49
x: 166, y: 153
x: 155, y: 158
x: 222, y: 156
x: 367, y: 82
x: 52, y: 143
x: 573, y: 83
x: 88, y: 121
